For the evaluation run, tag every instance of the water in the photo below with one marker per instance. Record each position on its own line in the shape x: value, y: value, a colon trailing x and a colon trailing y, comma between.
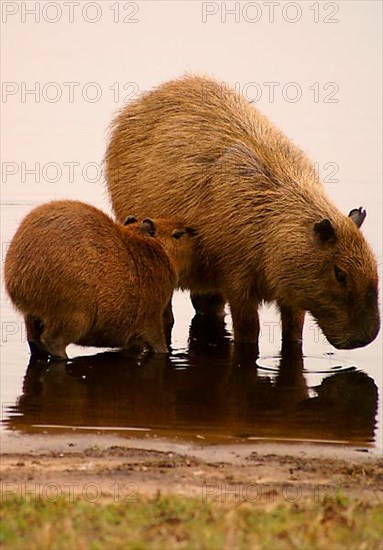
x: 206, y: 388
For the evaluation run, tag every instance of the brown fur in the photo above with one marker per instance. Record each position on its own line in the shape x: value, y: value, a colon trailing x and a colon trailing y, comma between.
x: 78, y: 277
x: 193, y: 148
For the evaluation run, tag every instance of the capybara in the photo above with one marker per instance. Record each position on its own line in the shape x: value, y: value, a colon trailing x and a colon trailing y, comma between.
x: 79, y: 277
x: 195, y: 149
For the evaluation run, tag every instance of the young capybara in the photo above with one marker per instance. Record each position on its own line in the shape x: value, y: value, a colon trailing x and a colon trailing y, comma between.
x: 195, y: 149
x: 79, y: 277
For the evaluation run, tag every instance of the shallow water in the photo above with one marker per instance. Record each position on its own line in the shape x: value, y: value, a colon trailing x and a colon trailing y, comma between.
x: 206, y: 388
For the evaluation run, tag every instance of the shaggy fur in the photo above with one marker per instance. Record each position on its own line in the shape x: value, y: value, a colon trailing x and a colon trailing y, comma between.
x: 78, y: 277
x: 194, y: 148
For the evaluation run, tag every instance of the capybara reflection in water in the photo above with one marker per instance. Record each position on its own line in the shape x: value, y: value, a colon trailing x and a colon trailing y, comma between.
x: 79, y: 277
x: 195, y: 149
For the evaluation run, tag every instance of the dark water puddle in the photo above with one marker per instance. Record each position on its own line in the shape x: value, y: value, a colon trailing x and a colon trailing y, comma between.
x: 210, y: 389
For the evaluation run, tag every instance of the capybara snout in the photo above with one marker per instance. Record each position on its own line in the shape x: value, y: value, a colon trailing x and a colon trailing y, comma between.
x: 79, y: 277
x: 345, y: 299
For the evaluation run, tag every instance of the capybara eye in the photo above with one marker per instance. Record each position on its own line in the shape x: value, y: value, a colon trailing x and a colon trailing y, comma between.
x: 340, y: 275
x: 178, y: 234
x: 129, y: 220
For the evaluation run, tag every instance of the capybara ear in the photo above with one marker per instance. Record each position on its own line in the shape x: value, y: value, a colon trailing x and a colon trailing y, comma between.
x: 358, y: 215
x: 148, y: 227
x: 129, y: 220
x: 325, y: 231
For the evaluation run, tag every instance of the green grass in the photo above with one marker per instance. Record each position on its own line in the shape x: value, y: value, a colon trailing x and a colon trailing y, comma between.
x: 178, y: 522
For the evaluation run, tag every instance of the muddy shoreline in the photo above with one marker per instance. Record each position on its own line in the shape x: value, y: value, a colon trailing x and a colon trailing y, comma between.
x: 108, y: 467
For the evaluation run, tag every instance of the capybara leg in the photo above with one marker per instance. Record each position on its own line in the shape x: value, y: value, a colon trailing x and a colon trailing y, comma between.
x: 292, y: 325
x: 211, y: 305
x: 54, y: 343
x: 71, y: 329
x: 168, y: 319
x: 245, y: 355
x: 290, y: 374
x: 155, y: 337
x: 245, y: 321
x: 35, y: 328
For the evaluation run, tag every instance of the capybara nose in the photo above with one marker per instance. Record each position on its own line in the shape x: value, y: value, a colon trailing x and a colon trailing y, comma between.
x: 360, y: 343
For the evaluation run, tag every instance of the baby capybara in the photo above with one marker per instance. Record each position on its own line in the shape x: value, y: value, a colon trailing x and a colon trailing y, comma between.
x: 79, y: 277
x: 195, y: 149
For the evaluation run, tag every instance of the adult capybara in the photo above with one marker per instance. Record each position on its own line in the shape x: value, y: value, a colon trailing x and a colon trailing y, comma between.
x: 194, y: 148
x: 79, y: 277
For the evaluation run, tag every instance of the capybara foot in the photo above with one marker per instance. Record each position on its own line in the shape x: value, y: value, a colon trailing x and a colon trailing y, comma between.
x: 156, y: 342
x: 55, y: 347
x: 245, y: 355
x: 134, y: 347
x: 37, y: 351
x: 291, y: 356
x: 35, y: 327
x: 154, y: 337
x: 159, y: 347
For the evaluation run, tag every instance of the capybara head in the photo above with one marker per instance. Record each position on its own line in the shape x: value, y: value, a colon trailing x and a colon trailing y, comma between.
x: 339, y: 283
x: 177, y: 239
